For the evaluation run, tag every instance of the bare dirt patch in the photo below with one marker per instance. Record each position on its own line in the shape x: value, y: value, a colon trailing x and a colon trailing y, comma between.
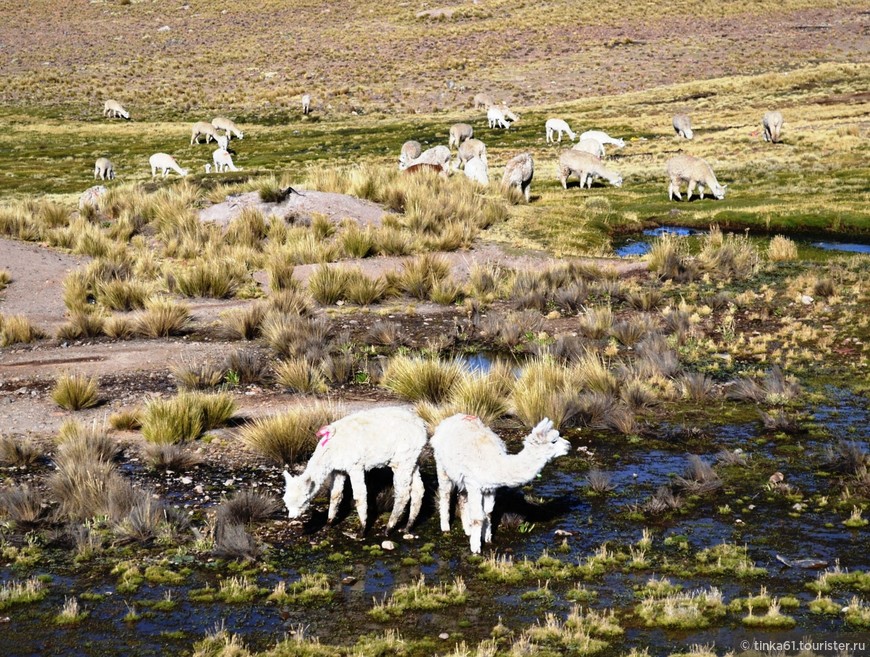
x: 301, y: 206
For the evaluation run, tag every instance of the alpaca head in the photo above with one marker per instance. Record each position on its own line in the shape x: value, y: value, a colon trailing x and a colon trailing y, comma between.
x: 298, y: 493
x: 546, y: 437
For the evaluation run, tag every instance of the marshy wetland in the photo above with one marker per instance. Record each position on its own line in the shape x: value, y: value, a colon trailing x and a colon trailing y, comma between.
x: 166, y: 352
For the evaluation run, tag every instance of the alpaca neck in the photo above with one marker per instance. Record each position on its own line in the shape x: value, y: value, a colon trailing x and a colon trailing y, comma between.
x: 516, y: 469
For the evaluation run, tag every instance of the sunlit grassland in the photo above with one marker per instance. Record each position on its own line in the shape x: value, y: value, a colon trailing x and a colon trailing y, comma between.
x: 816, y: 180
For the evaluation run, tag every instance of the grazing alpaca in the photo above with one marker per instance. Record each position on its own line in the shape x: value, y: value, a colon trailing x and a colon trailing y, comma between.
x: 223, y: 161
x: 437, y: 155
x: 694, y: 171
x: 471, y: 458
x: 496, y: 117
x: 558, y: 126
x: 772, y: 124
x: 518, y: 172
x: 114, y: 109
x: 602, y: 138
x: 411, y: 150
x: 230, y: 129
x: 381, y: 437
x: 164, y: 162
x: 683, y: 126
x: 306, y: 104
x: 459, y: 132
x: 104, y: 169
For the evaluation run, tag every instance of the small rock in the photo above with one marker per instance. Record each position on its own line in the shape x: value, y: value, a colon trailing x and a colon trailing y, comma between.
x: 409, y: 537
x: 444, y: 636
x: 349, y: 580
x: 389, y: 546
x: 186, y: 481
x: 776, y: 478
x: 806, y: 299
x: 562, y: 532
x: 554, y: 314
x: 164, y: 28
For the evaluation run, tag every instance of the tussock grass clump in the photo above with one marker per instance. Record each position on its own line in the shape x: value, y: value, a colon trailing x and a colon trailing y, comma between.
x: 700, y: 477
x: 728, y: 256
x: 357, y: 242
x: 692, y: 610
x: 773, y: 618
x: 248, y: 229
x: 217, y: 278
x: 168, y: 456
x: 595, y: 323
x: 126, y: 420
x: 483, y: 395
x: 300, y: 375
x: 245, y: 366
x: 363, y: 290
x: 419, y: 597
x: 421, y: 379
x: 390, y: 241
x: 197, y: 377
x: 329, y: 284
x: 308, y: 589
x: 291, y: 336
x: 591, y: 373
x: 542, y: 390
x: 123, y: 295
x: 244, y: 507
x: 599, y: 481
x: 185, y: 417
x: 420, y: 274
x: 290, y: 436
x: 77, y: 443
x: 163, y: 318
x: 22, y: 505
x: 291, y: 301
x: 17, y: 329
x: 74, y: 392
x: 147, y: 519
x: 18, y: 451
x: 782, y: 249
x: 727, y: 559
x: 280, y: 265
x: 696, y: 386
x: 71, y: 613
x: 82, y: 325
x: 15, y: 592
x: 89, y: 488
x: 118, y: 327
x: 234, y: 542
x: 488, y: 280
x: 385, y: 333
x: 243, y: 323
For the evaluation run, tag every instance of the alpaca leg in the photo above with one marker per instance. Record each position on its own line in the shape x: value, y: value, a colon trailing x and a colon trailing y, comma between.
x: 476, y: 515
x: 690, y: 189
x: 335, y: 495
x: 402, y: 478
x: 358, y: 484
x: 445, y: 488
x: 462, y: 512
x: 488, y: 504
x: 417, y: 492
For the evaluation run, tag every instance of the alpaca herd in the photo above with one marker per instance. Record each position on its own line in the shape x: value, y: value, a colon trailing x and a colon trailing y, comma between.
x: 585, y: 159
x: 222, y: 159
x: 469, y: 458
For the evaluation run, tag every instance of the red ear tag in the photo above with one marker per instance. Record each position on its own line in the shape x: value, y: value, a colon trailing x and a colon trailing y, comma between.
x: 469, y: 418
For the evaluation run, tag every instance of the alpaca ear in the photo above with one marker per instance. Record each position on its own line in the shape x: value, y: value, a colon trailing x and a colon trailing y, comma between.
x: 543, y: 427
x: 288, y: 479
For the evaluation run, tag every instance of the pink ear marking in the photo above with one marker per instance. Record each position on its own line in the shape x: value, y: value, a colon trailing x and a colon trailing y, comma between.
x: 469, y: 418
x: 325, y: 433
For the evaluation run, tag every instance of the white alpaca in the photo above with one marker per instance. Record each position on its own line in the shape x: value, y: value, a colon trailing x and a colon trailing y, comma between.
x: 692, y: 170
x: 459, y: 132
x: 477, y: 170
x: 483, y: 100
x: 772, y: 124
x: 470, y: 148
x: 203, y: 128
x: 104, y: 169
x: 223, y: 141
x: 472, y: 458
x: 438, y: 156
x: 223, y: 161
x: 592, y: 146
x: 376, y: 438
x: 495, y: 117
x: 411, y: 150
x: 164, y: 162
x: 230, y: 129
x: 602, y: 138
x: 208, y: 168
x: 586, y: 167
x: 518, y: 172
x: 508, y: 113
x: 683, y: 126
x: 114, y: 109
x: 560, y: 126
x: 306, y: 103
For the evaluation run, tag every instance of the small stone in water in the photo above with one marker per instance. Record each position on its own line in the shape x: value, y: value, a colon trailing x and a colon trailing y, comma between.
x: 408, y: 537
x: 350, y: 579
x: 444, y: 636
x: 186, y: 480
x: 389, y: 546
